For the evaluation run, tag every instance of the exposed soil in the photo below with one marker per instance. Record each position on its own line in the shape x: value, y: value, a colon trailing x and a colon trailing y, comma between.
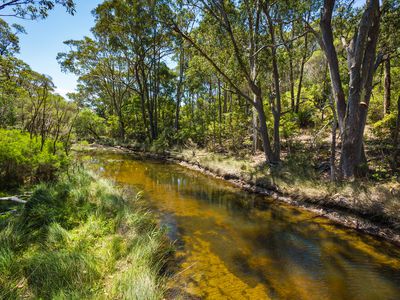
x: 333, y: 208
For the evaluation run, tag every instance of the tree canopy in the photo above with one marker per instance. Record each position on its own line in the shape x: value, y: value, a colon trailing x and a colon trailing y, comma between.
x: 32, y: 9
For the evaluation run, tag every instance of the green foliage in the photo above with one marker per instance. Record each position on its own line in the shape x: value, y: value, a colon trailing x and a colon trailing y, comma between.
x: 162, y: 143
x: 89, y: 126
x: 80, y: 238
x: 290, y: 125
x: 129, y: 92
x: 23, y: 159
x: 9, y: 41
x: 384, y: 127
x: 31, y: 9
x: 52, y: 272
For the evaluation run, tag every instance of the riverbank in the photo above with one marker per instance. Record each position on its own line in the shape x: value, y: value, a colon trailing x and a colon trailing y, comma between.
x: 81, y: 238
x: 364, y: 206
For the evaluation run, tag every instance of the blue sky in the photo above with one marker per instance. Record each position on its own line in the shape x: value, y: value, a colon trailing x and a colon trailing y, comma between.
x: 44, y: 39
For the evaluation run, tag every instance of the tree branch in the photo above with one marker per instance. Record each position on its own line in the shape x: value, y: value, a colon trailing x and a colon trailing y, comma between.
x: 13, y: 199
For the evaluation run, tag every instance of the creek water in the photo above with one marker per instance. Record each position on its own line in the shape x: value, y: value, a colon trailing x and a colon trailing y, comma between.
x: 236, y: 245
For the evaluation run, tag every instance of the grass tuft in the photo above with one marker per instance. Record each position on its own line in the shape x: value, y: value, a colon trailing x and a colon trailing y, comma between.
x: 81, y: 238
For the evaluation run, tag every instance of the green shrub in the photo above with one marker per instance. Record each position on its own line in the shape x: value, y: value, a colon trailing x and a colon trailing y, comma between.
x: 384, y: 127
x: 289, y: 126
x: 22, y: 159
x: 89, y: 126
x: 162, y: 142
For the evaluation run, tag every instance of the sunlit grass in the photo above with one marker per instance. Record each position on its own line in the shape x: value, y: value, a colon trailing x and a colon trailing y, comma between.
x: 298, y: 176
x: 81, y: 239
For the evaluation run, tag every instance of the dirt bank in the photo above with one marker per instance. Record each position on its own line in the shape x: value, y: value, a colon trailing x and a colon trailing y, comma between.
x: 337, y: 207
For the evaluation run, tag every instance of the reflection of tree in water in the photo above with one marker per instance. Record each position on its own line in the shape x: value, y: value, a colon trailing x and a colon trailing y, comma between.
x: 293, y: 259
x: 301, y: 260
x: 198, y: 187
x: 297, y: 250
x: 286, y: 250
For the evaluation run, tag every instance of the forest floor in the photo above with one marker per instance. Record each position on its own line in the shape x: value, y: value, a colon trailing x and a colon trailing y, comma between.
x: 368, y: 205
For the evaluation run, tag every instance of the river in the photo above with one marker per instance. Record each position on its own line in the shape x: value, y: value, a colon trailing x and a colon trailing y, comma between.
x: 236, y: 245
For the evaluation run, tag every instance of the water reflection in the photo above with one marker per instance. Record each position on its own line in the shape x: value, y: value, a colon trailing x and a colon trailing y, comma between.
x: 235, y: 245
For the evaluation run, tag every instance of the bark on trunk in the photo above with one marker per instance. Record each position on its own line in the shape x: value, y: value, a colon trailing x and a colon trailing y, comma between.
x: 303, y: 62
x: 361, y: 61
x: 291, y: 79
x: 331, y: 55
x: 180, y: 84
x: 275, y: 105
x: 269, y: 155
x: 219, y: 114
x: 361, y: 54
x: 333, y: 141
x: 386, y: 103
x: 255, y: 129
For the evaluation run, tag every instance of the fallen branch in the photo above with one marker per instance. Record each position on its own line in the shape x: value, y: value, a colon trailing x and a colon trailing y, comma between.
x: 13, y: 199
x: 14, y: 211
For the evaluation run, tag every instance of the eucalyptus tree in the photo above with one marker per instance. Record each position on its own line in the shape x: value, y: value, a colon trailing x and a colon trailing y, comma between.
x: 38, y: 88
x: 32, y: 9
x: 10, y: 68
x: 10, y: 90
x: 102, y: 71
x: 361, y: 60
x: 9, y: 41
x: 62, y: 120
x: 240, y: 23
x: 388, y: 46
x: 144, y: 44
x: 181, y: 50
x: 297, y: 42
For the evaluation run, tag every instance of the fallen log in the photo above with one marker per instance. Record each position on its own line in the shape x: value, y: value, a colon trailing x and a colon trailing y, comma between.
x: 13, y: 199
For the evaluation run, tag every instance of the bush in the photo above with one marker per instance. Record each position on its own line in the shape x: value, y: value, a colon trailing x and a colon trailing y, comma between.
x: 289, y: 127
x: 384, y: 127
x: 89, y: 126
x: 22, y: 160
x: 161, y: 143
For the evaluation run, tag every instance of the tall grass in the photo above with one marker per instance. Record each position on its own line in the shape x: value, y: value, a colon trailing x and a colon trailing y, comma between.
x: 81, y: 238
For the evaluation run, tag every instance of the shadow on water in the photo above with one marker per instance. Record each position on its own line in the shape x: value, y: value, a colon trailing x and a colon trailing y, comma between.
x: 232, y: 244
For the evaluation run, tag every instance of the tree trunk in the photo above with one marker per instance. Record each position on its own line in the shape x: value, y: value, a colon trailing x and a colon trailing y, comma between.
x: 225, y: 108
x: 13, y: 199
x: 219, y: 114
x: 255, y: 129
x: 386, y: 103
x: 121, y: 127
x: 291, y: 79
x: 300, y: 85
x: 396, y: 148
x: 269, y: 155
x: 333, y: 150
x: 180, y: 84
x: 361, y: 61
x: 331, y: 56
x: 275, y: 104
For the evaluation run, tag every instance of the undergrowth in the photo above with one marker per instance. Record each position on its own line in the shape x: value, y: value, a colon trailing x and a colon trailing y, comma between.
x: 80, y: 238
